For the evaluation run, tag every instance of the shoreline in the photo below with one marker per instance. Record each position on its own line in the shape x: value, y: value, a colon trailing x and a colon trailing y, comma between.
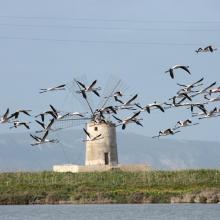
x: 185, y: 199
x: 112, y: 187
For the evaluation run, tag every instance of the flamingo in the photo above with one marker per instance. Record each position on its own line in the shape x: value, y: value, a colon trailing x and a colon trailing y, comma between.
x: 108, y: 110
x: 206, y: 49
x: 171, y: 70
x: 185, y: 123
x: 150, y: 106
x: 90, y: 138
x: 217, y: 90
x: 18, y: 123
x: 5, y: 118
x: 210, y: 114
x: 131, y: 119
x: 203, y: 90
x: 115, y: 95
x: 216, y: 99
x: 16, y: 114
x: 57, y: 114
x: 77, y: 114
x: 89, y: 88
x: 48, y: 127
x: 42, y: 115
x: 188, y: 88
x: 43, y: 140
x: 128, y: 103
x: 55, y: 88
x: 166, y: 132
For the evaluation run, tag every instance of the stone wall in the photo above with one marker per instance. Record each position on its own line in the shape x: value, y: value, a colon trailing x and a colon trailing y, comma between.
x: 104, y: 150
x: 101, y: 168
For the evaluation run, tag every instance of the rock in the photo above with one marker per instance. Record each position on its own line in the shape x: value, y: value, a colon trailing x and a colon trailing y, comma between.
x: 188, y: 198
x: 200, y: 199
x: 175, y: 199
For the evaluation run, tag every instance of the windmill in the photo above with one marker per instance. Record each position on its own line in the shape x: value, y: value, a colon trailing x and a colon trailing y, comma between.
x: 103, y: 150
x: 98, y: 117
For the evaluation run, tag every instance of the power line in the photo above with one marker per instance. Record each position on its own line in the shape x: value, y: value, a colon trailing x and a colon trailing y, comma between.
x: 104, y: 28
x: 105, y: 42
x: 108, y: 20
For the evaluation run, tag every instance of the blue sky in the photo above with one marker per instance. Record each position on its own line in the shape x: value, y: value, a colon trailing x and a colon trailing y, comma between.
x: 46, y: 43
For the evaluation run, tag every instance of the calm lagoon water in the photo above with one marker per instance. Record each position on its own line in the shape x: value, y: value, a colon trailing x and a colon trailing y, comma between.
x: 112, y: 212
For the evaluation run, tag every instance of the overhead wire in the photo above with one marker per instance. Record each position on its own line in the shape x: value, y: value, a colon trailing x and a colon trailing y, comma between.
x: 106, y: 19
x: 87, y: 27
x: 104, y: 28
x: 153, y: 43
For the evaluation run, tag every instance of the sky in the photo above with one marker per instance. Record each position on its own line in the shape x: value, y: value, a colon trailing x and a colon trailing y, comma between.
x: 50, y: 42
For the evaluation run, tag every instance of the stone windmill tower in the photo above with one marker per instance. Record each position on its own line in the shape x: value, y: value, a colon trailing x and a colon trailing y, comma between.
x: 102, y: 151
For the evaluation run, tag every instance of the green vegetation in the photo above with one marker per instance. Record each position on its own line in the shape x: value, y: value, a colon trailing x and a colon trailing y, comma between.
x: 110, y: 187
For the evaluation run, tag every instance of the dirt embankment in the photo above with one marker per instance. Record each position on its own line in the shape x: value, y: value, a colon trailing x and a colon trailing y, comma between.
x: 206, y: 196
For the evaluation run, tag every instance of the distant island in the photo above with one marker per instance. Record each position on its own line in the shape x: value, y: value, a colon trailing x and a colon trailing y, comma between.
x: 185, y: 186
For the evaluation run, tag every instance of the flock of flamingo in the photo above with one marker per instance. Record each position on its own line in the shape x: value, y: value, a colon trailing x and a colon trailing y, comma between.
x: 184, y: 98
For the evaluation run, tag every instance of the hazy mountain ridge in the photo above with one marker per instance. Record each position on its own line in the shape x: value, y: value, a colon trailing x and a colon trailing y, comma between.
x: 16, y: 153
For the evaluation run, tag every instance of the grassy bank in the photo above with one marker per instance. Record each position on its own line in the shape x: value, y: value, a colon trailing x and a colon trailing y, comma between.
x: 110, y: 187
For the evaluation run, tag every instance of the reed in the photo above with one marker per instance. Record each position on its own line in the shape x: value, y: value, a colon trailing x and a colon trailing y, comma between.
x: 105, y: 187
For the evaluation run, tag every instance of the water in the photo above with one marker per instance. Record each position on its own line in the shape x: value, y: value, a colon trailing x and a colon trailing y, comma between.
x: 112, y: 212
